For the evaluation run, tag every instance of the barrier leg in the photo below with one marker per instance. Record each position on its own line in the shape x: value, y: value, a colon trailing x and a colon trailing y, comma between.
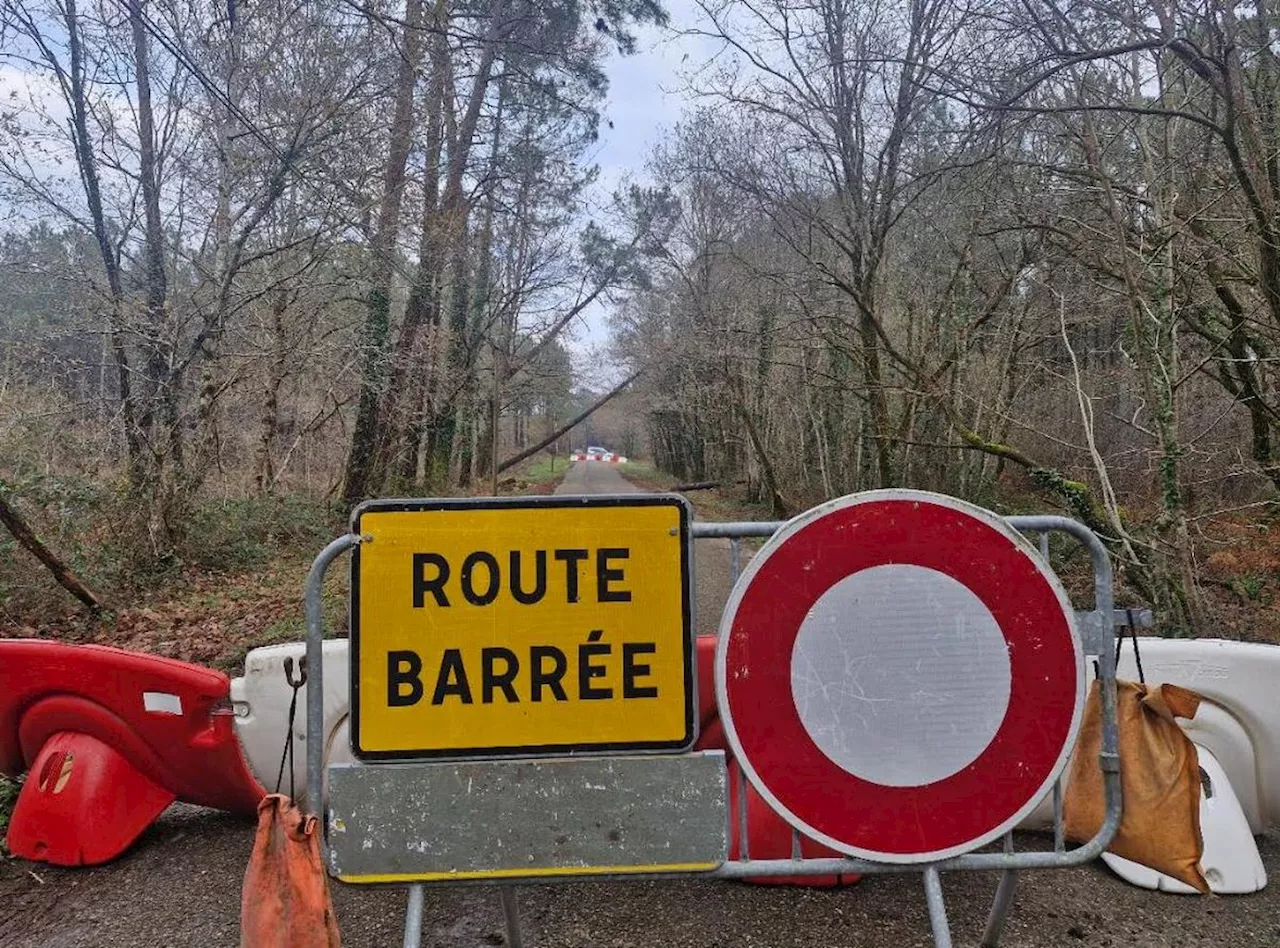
x: 511, y: 909
x: 937, y: 908
x: 1000, y: 908
x: 413, y: 917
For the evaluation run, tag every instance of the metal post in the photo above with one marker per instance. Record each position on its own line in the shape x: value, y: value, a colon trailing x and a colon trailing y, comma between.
x: 937, y: 908
x: 511, y: 910
x: 1059, y: 844
x: 315, y: 670
x: 1000, y: 908
x: 1104, y: 605
x: 413, y: 917
x: 735, y: 558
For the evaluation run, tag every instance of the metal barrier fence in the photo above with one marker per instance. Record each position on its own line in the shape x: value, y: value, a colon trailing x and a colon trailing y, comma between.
x: 1097, y: 630
x: 1097, y: 627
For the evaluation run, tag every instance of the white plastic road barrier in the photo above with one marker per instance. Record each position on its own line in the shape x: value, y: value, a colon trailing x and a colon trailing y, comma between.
x: 1220, y: 733
x: 1231, y: 862
x: 261, y: 702
x: 1242, y: 678
x: 1234, y: 726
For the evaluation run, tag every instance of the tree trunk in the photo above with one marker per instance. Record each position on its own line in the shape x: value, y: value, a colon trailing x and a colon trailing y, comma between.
x: 264, y: 467
x: 88, y: 165
x: 28, y: 539
x: 777, y: 504
x: 160, y: 408
x: 411, y: 361
x: 377, y: 327
x: 452, y: 263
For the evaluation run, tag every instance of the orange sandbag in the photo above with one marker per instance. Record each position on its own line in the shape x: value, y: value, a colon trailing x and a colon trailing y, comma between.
x: 285, y: 903
x: 1159, y: 776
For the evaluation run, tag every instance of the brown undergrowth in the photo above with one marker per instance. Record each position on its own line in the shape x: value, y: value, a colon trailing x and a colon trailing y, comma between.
x: 225, y: 601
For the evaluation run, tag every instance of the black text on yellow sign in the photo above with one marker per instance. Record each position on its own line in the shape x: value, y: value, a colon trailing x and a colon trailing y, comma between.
x: 537, y: 625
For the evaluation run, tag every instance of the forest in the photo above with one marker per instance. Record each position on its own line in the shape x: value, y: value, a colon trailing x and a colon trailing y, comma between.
x: 263, y: 260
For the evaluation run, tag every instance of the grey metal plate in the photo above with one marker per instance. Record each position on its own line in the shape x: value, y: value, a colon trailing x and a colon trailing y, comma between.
x: 526, y: 818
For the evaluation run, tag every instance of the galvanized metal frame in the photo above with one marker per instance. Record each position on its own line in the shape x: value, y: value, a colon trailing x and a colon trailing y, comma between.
x: 1097, y: 629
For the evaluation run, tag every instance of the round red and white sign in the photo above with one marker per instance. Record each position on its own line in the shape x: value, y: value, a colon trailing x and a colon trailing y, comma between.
x: 899, y: 675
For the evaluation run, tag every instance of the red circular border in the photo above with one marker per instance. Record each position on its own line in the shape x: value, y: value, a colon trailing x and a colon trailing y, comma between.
x: 869, y: 817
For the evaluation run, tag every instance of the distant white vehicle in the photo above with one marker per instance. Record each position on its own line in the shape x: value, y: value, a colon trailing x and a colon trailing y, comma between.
x: 597, y: 454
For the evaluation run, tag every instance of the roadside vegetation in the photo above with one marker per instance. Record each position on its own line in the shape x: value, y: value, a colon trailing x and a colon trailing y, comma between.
x: 547, y: 471
x: 1023, y: 256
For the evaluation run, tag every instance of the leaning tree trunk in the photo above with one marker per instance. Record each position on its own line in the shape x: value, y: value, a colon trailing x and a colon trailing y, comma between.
x: 25, y: 536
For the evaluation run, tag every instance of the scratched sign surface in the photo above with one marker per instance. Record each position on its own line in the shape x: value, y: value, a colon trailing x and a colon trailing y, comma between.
x: 909, y: 651
x: 516, y: 627
x: 450, y: 821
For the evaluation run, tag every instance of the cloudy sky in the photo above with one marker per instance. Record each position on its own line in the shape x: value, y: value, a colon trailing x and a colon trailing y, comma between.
x: 644, y: 91
x: 644, y: 100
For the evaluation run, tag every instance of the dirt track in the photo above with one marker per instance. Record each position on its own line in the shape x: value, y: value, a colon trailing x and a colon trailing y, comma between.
x: 180, y: 886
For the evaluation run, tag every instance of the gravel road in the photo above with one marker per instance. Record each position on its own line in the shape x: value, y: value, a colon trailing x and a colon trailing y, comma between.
x: 179, y: 887
x: 595, y: 477
x: 712, y: 558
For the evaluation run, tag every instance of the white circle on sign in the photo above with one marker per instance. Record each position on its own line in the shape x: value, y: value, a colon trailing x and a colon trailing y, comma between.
x: 900, y: 675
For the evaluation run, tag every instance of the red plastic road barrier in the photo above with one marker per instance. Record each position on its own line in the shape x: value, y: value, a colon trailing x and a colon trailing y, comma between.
x: 75, y: 775
x: 768, y: 835
x: 706, y: 663
x: 110, y: 738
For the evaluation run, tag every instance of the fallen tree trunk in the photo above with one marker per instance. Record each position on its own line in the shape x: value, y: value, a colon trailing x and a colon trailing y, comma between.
x: 599, y: 403
x: 28, y: 539
x: 697, y: 485
x: 706, y: 485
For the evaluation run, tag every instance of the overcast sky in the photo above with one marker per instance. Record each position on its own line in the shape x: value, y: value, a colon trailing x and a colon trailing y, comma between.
x: 644, y: 100
x: 644, y: 92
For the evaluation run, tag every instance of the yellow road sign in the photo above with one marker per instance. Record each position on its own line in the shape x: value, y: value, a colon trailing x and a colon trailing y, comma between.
x: 523, y: 626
